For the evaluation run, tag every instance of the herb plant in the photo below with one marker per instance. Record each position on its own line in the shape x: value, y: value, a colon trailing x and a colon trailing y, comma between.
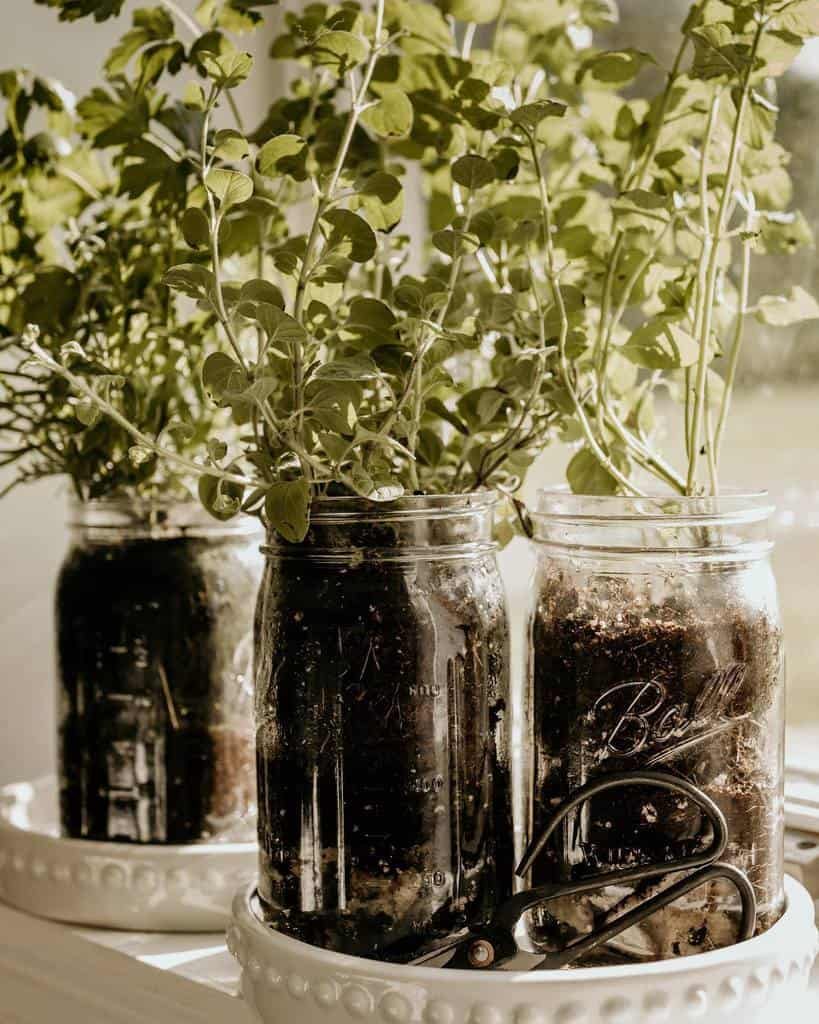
x: 580, y: 258
x: 82, y: 256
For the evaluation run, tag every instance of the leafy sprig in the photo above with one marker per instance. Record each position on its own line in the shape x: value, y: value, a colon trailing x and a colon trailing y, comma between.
x: 580, y: 257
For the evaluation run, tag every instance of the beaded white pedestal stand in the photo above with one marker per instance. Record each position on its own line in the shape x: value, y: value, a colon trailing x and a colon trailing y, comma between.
x: 112, y: 885
x: 284, y: 980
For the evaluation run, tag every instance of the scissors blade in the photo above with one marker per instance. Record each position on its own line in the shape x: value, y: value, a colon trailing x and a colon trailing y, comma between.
x: 440, y: 956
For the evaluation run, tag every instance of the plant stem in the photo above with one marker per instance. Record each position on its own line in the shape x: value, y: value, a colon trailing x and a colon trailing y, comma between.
x: 633, y: 181
x: 654, y: 141
x: 736, y: 346
x: 500, y: 24
x: 215, y: 225
x: 185, y: 19
x: 358, y: 97
x: 650, y: 459
x: 705, y: 255
x: 554, y: 283
x: 709, y: 442
x: 80, y: 387
x: 713, y: 262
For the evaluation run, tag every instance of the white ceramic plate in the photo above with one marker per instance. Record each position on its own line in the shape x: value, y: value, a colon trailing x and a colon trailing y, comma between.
x: 112, y: 885
x: 287, y: 981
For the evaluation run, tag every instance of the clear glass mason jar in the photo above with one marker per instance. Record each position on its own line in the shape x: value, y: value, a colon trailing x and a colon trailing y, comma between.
x: 382, y: 745
x: 655, y: 643
x: 154, y: 615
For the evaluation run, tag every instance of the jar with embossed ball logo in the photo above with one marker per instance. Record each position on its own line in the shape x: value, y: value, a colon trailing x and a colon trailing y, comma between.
x: 382, y: 741
x: 655, y: 644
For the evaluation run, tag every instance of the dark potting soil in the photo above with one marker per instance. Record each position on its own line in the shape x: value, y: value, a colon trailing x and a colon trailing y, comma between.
x: 385, y: 816
x: 690, y: 685
x: 155, y: 646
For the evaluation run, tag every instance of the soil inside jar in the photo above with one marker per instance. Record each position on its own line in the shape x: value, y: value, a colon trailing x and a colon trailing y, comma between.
x: 688, y: 685
x: 383, y: 771
x: 156, y: 738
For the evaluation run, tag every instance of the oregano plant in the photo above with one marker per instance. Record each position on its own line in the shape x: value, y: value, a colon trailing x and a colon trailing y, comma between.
x: 584, y: 250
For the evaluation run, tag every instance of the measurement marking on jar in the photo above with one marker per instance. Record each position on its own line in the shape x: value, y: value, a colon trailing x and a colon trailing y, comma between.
x: 434, y: 879
x: 432, y: 690
x: 427, y: 785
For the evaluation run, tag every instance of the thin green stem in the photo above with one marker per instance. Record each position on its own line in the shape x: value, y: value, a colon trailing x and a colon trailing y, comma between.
x: 736, y: 347
x: 554, y: 283
x: 78, y: 385
x: 358, y: 97
x: 185, y: 19
x: 215, y: 226
x: 713, y: 262
x: 702, y: 266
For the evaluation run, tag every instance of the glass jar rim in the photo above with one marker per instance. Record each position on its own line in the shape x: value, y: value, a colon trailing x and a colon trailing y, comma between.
x: 155, y: 517
x: 731, y: 527
x: 339, y: 509
x: 732, y: 506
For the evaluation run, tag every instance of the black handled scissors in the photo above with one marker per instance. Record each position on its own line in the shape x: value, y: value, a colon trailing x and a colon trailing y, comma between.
x: 495, y: 946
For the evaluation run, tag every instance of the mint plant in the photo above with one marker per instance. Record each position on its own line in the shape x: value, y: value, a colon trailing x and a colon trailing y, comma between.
x: 585, y: 250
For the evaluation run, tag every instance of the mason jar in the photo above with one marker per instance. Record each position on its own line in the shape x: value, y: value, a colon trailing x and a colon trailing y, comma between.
x: 154, y: 614
x: 655, y: 643
x: 382, y: 734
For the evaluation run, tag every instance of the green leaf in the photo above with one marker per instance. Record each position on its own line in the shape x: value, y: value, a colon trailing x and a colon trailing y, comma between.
x: 781, y: 311
x: 576, y: 240
x: 391, y: 117
x: 287, y: 507
x: 350, y: 368
x: 599, y: 13
x: 530, y: 115
x: 283, y: 331
x: 191, y: 279
x: 338, y: 50
x: 230, y: 145
x: 586, y: 475
x: 424, y: 23
x: 482, y: 406
x: 381, y: 197
x: 259, y: 290
x: 350, y: 236
x: 639, y: 199
x: 801, y: 18
x: 473, y: 172
x: 230, y: 187
x: 221, y: 498
x: 217, y: 449
x: 72, y: 10
x: 227, y: 70
x: 370, y: 323
x: 479, y: 11
x: 284, y: 154
x: 221, y: 374
x: 194, y: 96
x: 455, y: 243
x: 785, y: 232
x: 196, y: 228
x: 661, y: 345
x: 231, y: 15
x: 640, y: 208
x: 616, y: 67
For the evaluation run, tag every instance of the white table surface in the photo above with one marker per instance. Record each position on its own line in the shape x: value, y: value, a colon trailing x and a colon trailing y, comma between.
x: 56, y: 973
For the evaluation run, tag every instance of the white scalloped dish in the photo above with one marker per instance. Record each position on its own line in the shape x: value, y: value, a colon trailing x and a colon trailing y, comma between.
x: 285, y: 980
x: 112, y: 885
